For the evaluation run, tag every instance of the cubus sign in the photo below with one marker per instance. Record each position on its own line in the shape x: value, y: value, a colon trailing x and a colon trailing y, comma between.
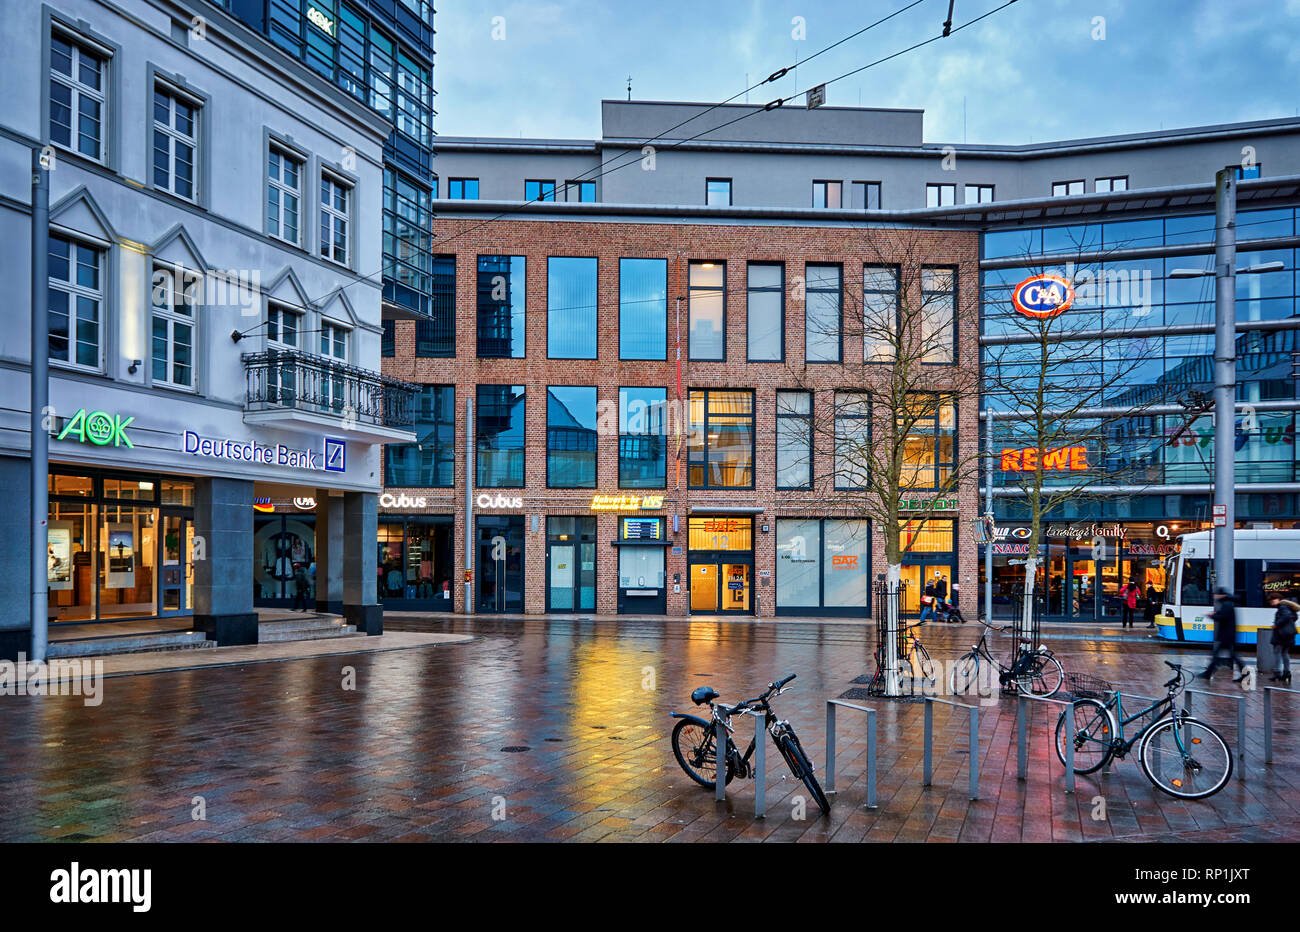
x: 99, y: 428
x: 1065, y: 459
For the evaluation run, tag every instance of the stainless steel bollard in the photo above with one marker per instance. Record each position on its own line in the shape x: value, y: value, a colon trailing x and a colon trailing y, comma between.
x: 830, y: 747
x: 1241, y: 733
x: 1268, y: 725
x: 719, y: 761
x: 1069, y: 749
x: 974, y: 752
x: 871, y: 759
x: 760, y: 768
x: 1022, y: 748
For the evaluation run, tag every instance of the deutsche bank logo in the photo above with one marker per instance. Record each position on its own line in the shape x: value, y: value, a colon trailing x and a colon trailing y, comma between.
x: 336, y: 455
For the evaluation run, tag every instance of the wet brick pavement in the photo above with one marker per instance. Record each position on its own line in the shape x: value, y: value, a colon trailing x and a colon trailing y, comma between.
x: 281, y: 751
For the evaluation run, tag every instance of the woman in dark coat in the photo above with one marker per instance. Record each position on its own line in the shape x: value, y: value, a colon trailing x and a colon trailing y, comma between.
x: 1283, y: 639
x: 1150, y: 613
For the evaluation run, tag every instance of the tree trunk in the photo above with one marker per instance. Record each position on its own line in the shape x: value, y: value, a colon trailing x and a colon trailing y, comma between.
x: 893, y: 575
x: 1024, y: 624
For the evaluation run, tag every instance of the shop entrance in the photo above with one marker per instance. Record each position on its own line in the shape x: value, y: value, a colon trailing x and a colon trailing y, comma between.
x: 929, y: 556
x: 176, y: 584
x: 570, y: 564
x: 500, y: 564
x: 721, y: 566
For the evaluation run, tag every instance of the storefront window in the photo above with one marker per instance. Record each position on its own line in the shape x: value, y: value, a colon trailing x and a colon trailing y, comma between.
x: 798, y: 563
x: 571, y: 564
x: 281, y: 544
x: 641, y: 567
x: 845, y: 564
x: 416, y: 561
x: 822, y: 565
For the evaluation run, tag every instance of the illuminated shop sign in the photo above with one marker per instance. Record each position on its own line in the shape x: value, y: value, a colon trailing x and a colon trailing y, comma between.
x: 320, y: 20
x: 332, y: 457
x: 626, y: 502
x: 499, y: 501
x: 402, y: 500
x: 1066, y: 459
x: 927, y: 504
x: 641, y: 529
x: 1043, y: 296
x: 99, y: 428
x: 1014, y: 549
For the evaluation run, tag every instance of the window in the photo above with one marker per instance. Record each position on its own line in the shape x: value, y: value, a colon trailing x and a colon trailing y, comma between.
x: 283, y: 195
x: 866, y: 195
x: 388, y: 342
x: 500, y: 430
x: 707, y: 312
x: 570, y: 308
x: 938, y: 306
x: 282, y: 325
x: 766, y: 312
x: 502, y: 306
x: 642, y: 308
x: 827, y: 194
x: 430, y: 462
x: 852, y: 440
x: 940, y: 195
x: 335, y: 200
x: 642, y: 438
x: 928, y: 444
x: 462, y: 189
x: 1116, y: 183
x: 1066, y: 188
x: 822, y: 563
x: 1252, y: 172
x: 823, y: 307
x: 175, y: 142
x: 408, y: 237
x: 794, y: 440
x: 979, y: 194
x: 570, y: 437
x: 76, y: 295
x: 171, y: 326
x: 717, y: 192
x: 539, y: 190
x: 583, y: 191
x: 414, y: 100
x: 720, y: 439
x: 436, y: 336
x: 78, y: 79
x: 334, y: 346
x: 880, y: 307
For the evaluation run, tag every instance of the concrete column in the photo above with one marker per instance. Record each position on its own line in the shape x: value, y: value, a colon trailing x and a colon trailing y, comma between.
x: 16, y: 532
x: 223, y: 578
x: 329, y: 552
x: 360, y: 562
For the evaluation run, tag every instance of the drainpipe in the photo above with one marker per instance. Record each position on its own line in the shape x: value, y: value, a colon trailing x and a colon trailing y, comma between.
x: 469, y: 506
x: 40, y: 403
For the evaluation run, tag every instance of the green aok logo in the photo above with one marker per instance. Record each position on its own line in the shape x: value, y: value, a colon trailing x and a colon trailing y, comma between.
x: 99, y: 428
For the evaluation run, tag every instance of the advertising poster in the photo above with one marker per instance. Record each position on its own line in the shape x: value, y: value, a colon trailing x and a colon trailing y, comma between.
x: 60, y: 555
x: 121, y: 556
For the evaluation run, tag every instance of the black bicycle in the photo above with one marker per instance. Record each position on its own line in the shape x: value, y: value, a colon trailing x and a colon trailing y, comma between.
x: 1180, y: 755
x: 1033, y: 670
x: 695, y: 741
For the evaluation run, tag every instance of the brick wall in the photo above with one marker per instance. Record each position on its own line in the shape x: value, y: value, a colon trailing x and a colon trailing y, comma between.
x: 678, y: 243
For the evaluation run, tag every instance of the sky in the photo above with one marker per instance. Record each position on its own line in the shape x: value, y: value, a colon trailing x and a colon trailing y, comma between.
x: 1037, y: 70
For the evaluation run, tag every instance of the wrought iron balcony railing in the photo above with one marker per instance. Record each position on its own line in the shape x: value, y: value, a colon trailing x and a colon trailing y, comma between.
x: 293, y: 380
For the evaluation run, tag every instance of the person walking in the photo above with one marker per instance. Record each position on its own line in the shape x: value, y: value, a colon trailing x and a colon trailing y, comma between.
x: 927, y: 601
x: 1225, y: 637
x: 301, y: 583
x: 940, y: 597
x: 954, y: 613
x: 1130, y: 599
x: 1283, y: 637
x: 1153, y: 599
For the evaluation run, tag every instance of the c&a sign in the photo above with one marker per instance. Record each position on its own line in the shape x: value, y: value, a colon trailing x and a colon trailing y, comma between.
x: 99, y: 428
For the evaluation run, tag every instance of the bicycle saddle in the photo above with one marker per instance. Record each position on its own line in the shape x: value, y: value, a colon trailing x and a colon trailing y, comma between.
x: 704, y: 694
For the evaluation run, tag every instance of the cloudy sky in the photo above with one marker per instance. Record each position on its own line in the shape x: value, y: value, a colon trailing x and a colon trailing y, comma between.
x: 1039, y: 69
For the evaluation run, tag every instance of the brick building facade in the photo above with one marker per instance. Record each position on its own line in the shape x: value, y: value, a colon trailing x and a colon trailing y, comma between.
x: 734, y: 245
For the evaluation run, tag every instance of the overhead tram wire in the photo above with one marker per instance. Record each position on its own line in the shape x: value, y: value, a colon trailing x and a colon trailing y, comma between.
x: 776, y: 75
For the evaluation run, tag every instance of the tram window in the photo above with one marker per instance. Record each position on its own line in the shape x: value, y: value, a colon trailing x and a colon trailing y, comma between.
x: 1196, y: 582
x: 1281, y: 579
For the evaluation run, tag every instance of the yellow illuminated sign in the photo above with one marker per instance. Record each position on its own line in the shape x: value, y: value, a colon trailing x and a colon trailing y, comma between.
x: 626, y: 502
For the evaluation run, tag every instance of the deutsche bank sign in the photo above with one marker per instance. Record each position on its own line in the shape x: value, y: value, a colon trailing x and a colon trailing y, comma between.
x: 332, y: 457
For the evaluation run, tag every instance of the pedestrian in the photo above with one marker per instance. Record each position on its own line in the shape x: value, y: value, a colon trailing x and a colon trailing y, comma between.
x: 1225, y: 637
x: 1130, y: 599
x: 954, y: 613
x: 927, y: 602
x: 1283, y: 637
x: 301, y: 584
x: 1153, y: 600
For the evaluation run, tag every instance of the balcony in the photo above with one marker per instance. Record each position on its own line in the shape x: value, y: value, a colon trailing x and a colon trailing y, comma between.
x: 294, y: 389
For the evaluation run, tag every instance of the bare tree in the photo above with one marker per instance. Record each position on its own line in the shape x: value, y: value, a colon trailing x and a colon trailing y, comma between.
x: 890, y: 431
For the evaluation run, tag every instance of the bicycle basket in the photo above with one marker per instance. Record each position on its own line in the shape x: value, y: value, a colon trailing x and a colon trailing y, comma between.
x: 1087, y: 686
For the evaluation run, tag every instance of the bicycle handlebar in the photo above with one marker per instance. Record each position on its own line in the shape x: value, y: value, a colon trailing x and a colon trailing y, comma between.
x: 744, y: 704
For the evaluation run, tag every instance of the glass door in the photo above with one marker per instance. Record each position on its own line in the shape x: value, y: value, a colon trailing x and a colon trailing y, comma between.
x: 560, y: 569
x: 735, y: 597
x: 501, y: 564
x: 177, y: 577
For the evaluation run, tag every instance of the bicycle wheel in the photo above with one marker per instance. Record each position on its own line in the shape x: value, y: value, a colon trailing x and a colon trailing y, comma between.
x: 1043, y: 677
x: 1092, y: 732
x: 693, y: 745
x: 802, y: 767
x: 1185, y: 758
x: 921, y: 661
x: 965, y: 674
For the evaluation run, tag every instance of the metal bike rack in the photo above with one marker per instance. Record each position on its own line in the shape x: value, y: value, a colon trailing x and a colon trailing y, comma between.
x: 973, y: 732
x: 871, y: 747
x: 1240, y: 699
x: 1022, y: 739
x: 760, y: 763
x: 1268, y: 718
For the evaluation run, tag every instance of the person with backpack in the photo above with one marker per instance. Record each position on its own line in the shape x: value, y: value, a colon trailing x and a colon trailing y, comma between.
x: 1129, y: 597
x: 1283, y: 637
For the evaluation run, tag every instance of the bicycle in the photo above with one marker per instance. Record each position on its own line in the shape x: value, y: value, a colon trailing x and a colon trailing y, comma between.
x: 1036, y: 672
x: 695, y: 741
x: 1180, y: 755
x: 915, y: 656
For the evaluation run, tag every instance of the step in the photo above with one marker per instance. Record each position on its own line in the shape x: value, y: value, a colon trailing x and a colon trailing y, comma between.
x: 306, y: 634
x: 129, y: 644
x: 302, y: 624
